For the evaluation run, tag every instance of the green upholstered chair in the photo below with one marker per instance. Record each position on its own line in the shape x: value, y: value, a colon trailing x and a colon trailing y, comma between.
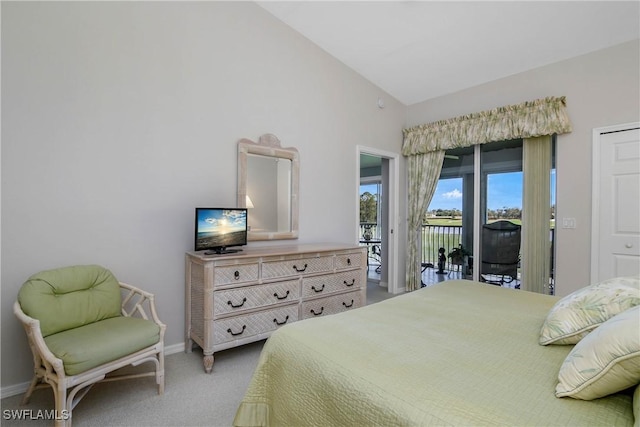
x: 83, y: 324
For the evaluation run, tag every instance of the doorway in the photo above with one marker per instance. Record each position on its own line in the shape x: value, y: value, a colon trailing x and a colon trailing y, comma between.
x: 378, y: 172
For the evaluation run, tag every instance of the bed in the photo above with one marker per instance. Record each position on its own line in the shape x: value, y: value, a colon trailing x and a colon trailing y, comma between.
x: 455, y: 353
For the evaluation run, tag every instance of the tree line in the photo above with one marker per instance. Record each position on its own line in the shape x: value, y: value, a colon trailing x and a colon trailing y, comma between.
x: 369, y: 211
x: 501, y: 213
x: 368, y: 208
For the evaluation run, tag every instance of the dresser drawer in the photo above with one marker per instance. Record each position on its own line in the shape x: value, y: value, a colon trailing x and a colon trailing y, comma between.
x: 329, y: 283
x: 352, y: 260
x: 234, y: 300
x: 241, y: 327
x: 331, y: 305
x: 295, y: 267
x: 242, y: 273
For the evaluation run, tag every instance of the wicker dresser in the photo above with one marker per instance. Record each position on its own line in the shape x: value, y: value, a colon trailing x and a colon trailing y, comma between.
x: 235, y: 299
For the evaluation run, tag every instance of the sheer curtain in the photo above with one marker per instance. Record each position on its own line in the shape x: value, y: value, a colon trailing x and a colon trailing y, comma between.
x: 536, y: 204
x: 529, y: 120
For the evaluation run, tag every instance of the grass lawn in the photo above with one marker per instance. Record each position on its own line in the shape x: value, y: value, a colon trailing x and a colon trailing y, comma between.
x: 444, y: 221
x: 458, y: 221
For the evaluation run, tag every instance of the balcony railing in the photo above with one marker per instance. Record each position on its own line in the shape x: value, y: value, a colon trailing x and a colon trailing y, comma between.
x: 371, y: 230
x: 435, y: 237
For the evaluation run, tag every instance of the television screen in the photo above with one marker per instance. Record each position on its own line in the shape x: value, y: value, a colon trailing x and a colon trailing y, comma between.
x: 217, y: 229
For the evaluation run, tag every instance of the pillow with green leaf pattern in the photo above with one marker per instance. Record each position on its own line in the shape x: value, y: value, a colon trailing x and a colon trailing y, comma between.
x: 606, y: 361
x: 577, y: 314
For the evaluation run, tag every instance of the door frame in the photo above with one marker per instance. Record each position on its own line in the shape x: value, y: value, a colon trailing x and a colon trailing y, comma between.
x: 392, y: 191
x: 595, y: 194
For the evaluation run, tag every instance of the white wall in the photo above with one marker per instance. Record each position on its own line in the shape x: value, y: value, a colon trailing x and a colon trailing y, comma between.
x: 119, y: 118
x: 602, y: 88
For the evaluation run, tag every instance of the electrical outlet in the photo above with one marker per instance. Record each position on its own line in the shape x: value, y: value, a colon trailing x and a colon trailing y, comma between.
x: 568, y: 223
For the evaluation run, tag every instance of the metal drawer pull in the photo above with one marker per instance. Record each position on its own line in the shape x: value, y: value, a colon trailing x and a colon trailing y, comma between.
x: 237, y: 333
x: 318, y: 290
x: 347, y: 305
x: 279, y: 297
x: 348, y: 261
x: 300, y: 270
x: 281, y: 323
x: 353, y: 282
x: 317, y: 314
x: 238, y: 305
x: 236, y: 274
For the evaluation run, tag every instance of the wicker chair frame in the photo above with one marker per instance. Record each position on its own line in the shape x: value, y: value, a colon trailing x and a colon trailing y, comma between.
x: 68, y: 390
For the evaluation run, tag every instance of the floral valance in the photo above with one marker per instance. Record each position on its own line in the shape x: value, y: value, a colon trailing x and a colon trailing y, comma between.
x: 546, y: 116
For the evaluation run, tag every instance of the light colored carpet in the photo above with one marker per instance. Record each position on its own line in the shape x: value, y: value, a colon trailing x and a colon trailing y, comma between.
x: 191, y: 397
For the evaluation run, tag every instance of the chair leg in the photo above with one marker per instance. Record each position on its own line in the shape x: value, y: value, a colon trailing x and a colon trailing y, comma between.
x: 63, y: 413
x: 32, y: 386
x: 160, y: 372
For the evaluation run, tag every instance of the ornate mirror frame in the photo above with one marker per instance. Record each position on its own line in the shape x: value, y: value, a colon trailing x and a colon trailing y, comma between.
x: 268, y: 146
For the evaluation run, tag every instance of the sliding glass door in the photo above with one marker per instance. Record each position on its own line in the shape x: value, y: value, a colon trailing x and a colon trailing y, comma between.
x: 499, y: 259
x: 447, y: 231
x: 476, y: 215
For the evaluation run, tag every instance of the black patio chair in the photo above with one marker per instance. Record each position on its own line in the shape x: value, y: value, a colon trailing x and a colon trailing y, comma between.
x: 500, y: 252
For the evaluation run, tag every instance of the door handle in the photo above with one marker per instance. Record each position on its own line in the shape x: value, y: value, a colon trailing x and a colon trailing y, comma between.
x: 628, y: 245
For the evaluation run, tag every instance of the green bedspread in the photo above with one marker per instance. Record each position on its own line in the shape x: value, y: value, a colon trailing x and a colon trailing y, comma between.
x: 456, y: 353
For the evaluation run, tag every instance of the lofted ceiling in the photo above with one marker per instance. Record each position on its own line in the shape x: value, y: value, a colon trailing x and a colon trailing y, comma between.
x: 419, y: 50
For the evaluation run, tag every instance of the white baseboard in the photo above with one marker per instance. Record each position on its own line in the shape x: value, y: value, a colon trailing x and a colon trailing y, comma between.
x: 173, y: 348
x: 20, y: 388
x: 12, y: 390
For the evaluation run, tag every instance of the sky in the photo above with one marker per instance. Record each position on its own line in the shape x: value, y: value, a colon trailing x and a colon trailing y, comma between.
x: 504, y: 190
x: 221, y: 220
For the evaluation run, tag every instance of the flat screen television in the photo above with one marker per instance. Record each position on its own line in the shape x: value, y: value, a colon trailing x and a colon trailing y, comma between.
x: 218, y: 229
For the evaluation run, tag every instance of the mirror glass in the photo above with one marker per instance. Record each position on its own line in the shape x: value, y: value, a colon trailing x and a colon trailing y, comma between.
x: 268, y: 177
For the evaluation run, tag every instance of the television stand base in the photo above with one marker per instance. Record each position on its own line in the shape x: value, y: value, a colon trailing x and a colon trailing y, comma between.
x: 223, y: 251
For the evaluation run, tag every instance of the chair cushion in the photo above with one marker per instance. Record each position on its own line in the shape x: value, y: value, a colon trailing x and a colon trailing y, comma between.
x: 70, y: 297
x: 101, y: 342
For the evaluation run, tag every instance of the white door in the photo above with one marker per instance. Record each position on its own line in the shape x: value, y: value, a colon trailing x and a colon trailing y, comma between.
x: 616, y: 200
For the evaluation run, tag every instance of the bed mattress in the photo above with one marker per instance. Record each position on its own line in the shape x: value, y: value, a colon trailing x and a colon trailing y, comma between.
x: 455, y: 353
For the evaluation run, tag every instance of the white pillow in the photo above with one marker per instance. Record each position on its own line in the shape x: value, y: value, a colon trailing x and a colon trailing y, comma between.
x: 575, y: 315
x: 605, y: 361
